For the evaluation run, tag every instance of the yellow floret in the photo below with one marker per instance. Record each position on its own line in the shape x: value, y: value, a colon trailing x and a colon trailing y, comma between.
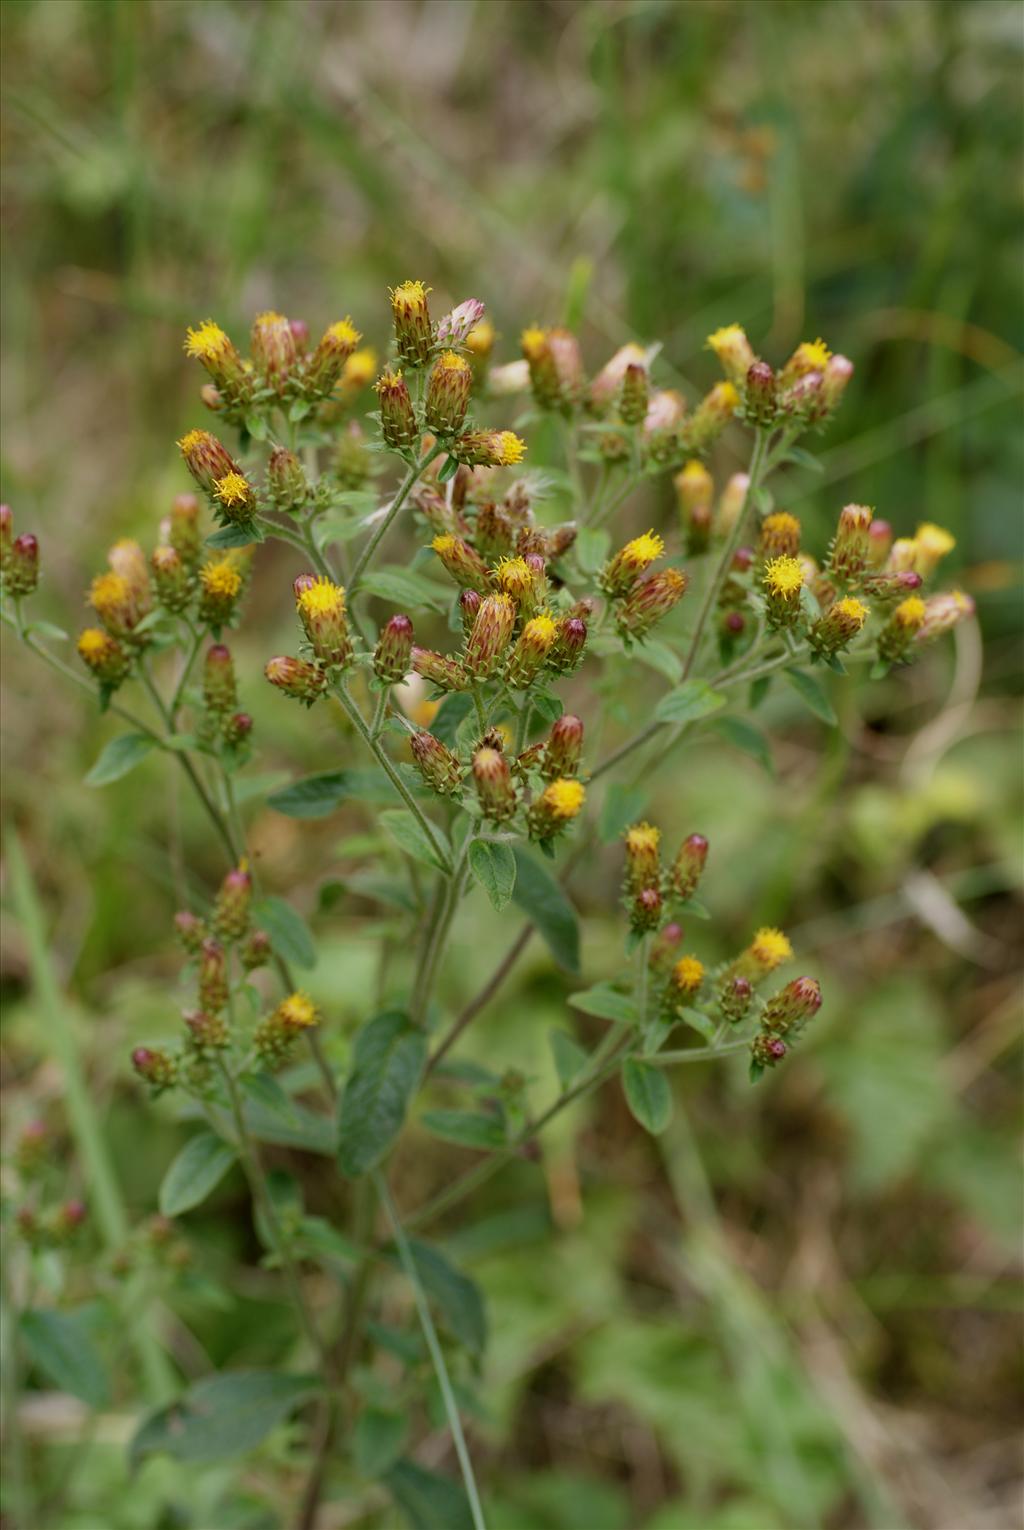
x: 220, y: 579
x: 298, y: 1012
x: 451, y: 361
x: 726, y: 336
x: 232, y: 489
x: 514, y: 576
x: 694, y: 469
x: 192, y: 440
x: 643, y: 549
x: 533, y: 341
x: 540, y: 630
x: 688, y: 974
x: 508, y: 447
x: 93, y: 644
x: 387, y: 379
x: 444, y: 543
x: 207, y: 342
x: 344, y: 332
x: 813, y: 355
x: 643, y: 837
x: 271, y: 316
x: 109, y: 591
x: 408, y: 297
x: 770, y: 948
x: 852, y: 610
x: 910, y: 613
x: 359, y: 368
x: 564, y: 798
x: 481, y: 337
x: 321, y: 598
x: 780, y: 521
x: 784, y: 577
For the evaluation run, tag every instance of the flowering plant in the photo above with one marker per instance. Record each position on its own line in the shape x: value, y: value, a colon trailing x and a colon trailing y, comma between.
x: 480, y: 747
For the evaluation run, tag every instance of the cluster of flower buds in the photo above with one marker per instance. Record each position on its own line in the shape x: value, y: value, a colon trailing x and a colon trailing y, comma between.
x: 805, y: 391
x: 42, y: 1223
x: 19, y: 558
x: 46, y: 1227
x: 641, y: 598
x: 649, y: 888
x: 321, y: 608
x: 783, y: 1017
x: 283, y: 370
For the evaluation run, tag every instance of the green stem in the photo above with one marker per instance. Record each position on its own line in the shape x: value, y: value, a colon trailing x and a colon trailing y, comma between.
x: 437, y: 937
x: 179, y: 690
x: 399, y: 500
x: 436, y: 1353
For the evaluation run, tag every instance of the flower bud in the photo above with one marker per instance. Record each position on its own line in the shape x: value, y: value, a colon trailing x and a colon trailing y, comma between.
x: 569, y: 645
x: 837, y: 374
x: 563, y: 749
x: 275, y: 1036
x: 274, y: 352
x: 218, y: 354
x: 397, y: 418
x: 213, y: 976
x: 686, y: 980
x: 605, y: 387
x: 552, y: 812
x: 447, y: 674
x: 439, y: 767
x: 493, y: 779
x: 463, y: 562
x: 206, y: 1033
x: 494, y: 533
x: 104, y: 656
x: 734, y: 998
x: 231, y: 908
x: 664, y: 947
x: 688, y: 867
x: 879, y: 543
x: 414, y: 335
x: 333, y: 350
x: 183, y: 529
x: 351, y: 464
x: 235, y: 498
x: 759, y: 394
x: 480, y: 342
x: 394, y: 649
x: 783, y: 580
x: 156, y: 1066
x: 633, y: 398
x: 768, y: 950
x: 286, y: 479
x: 220, y: 692
x: 448, y: 389
x: 190, y: 930
x: 321, y: 609
x: 643, y: 860
x: 33, y: 1147
x: 297, y: 678
x: 941, y: 613
x: 207, y: 459
x: 693, y: 485
x: 649, y: 600
x: 212, y: 397
x: 902, y: 555
x: 171, y: 577
x: 697, y: 529
x: 21, y: 575
x: 456, y: 327
x: 300, y: 334
x: 733, y: 623
x: 734, y: 352
x: 851, y: 545
x: 530, y: 653
x: 766, y: 1051
x: 810, y: 356
x: 621, y: 571
x: 561, y: 538
x: 645, y: 911
x: 931, y: 544
x: 839, y: 626
x: 6, y: 537
x: 802, y: 399
x: 469, y: 604
x: 544, y: 380
x: 897, y: 636
x: 256, y: 950
x: 116, y: 604
x: 237, y: 729
x: 780, y: 536
x: 890, y: 586
x: 220, y: 585
x: 488, y: 448
x: 711, y: 416
x: 797, y: 1002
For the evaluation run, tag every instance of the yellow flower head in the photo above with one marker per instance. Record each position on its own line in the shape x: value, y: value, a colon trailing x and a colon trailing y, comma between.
x: 271, y: 317
x: 723, y: 397
x: 192, y: 440
x: 409, y: 298
x: 220, y: 579
x: 540, y: 631
x: 694, y: 471
x: 297, y: 1012
x: 851, y: 611
x: 480, y: 340
x: 444, y: 543
x: 359, y: 368
x: 93, y: 644
x: 931, y: 544
x: 109, y: 593
x: 643, y: 550
x: 770, y: 948
x: 343, y: 332
x: 811, y: 356
x: 688, y: 974
x: 910, y: 613
x: 507, y: 447
x: 387, y: 380
x: 783, y: 577
x: 642, y: 839
x: 725, y: 337
x: 451, y: 361
x: 564, y: 798
x: 780, y: 522
x: 514, y: 577
x: 321, y: 598
x: 534, y: 342
x: 233, y: 489
x: 208, y: 342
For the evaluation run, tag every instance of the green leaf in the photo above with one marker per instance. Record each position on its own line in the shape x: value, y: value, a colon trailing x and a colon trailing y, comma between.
x: 303, y: 1128
x: 690, y: 701
x: 428, y: 1501
x: 448, y: 469
x: 452, y: 711
x: 545, y: 709
x: 744, y: 736
x: 235, y: 536
x: 569, y: 1056
x: 264, y: 1089
x: 494, y: 867
x: 659, y: 656
x: 695, y: 908
x: 299, y: 410
x: 621, y: 807
x: 539, y: 895
x: 458, y: 1299
x: 467, y: 1127
x: 198, y: 1169
x: 256, y: 425
x: 606, y: 1002
x: 118, y: 757
x: 377, y: 1440
x: 759, y: 689
x: 386, y: 1066
x: 289, y: 933
x: 402, y: 587
x: 812, y: 695
x: 804, y: 459
x: 592, y: 548
x: 700, y: 1023
x: 61, y: 1348
x: 47, y: 629
x: 409, y: 836
x: 221, y: 1416
x: 648, y: 1094
x: 319, y: 795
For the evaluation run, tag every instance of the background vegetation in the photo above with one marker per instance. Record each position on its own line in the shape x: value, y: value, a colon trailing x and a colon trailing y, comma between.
x: 804, y: 1313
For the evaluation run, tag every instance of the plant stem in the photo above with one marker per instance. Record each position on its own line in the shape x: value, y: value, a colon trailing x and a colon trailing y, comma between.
x: 486, y: 993
x: 436, y: 1353
x: 437, y: 937
x: 359, y: 723
x: 399, y: 500
x: 190, y: 659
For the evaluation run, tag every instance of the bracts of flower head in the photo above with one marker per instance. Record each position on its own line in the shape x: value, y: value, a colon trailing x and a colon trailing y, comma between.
x: 19, y: 568
x: 463, y: 562
x: 643, y: 857
x: 783, y: 580
x: 208, y: 344
x: 414, y: 333
x: 297, y: 678
x: 551, y: 813
x: 287, y: 483
x: 172, y: 578
x: 180, y: 529
x: 397, y: 417
x: 851, y: 546
x: 941, y: 614
x: 393, y: 653
x: 780, y: 536
x: 156, y: 1067
x: 231, y: 907
x: 220, y: 587
x: 220, y: 690
x: 275, y: 1035
x: 838, y: 627
x: 448, y: 389
x: 569, y: 646
x: 650, y: 599
x: 190, y: 931
x: 321, y: 607
x: 734, y: 998
x: 524, y: 581
x: 447, y: 674
x: 329, y: 361
x: 120, y: 605
x: 531, y: 650
x: 488, y: 448
x: 688, y: 866
x: 564, y: 747
x: 275, y: 354
x: 493, y: 780
x: 439, y: 767
x: 784, y: 1016
x: 213, y: 976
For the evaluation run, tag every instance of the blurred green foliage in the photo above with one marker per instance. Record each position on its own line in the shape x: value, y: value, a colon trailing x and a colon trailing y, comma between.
x: 810, y: 1322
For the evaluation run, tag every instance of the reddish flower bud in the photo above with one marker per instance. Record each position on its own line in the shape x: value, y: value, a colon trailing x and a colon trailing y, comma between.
x: 456, y: 327
x: 734, y: 623
x: 392, y: 655
x: 941, y: 614
x: 879, y: 543
x: 493, y: 780
x: 463, y: 562
x: 664, y: 947
x: 206, y: 1033
x: 563, y: 749
x: 645, y: 911
x: 300, y: 334
x: 156, y: 1066
x: 469, y: 605
x: 287, y: 481
x: 439, y: 767
x: 766, y: 1051
x: 231, y: 909
x: 171, y: 577
x: 447, y: 674
x: 273, y: 349
x: 21, y: 576
x: 634, y: 395
x: 190, y: 930
x: 297, y: 678
x: 649, y: 600
x: 489, y: 638
x: 397, y: 418
x: 838, y: 371
x: 569, y: 645
x: 759, y: 394
x: 891, y: 586
x: 237, y: 729
x: 688, y: 866
x: 851, y: 545
x: 448, y: 389
x: 734, y: 998
x: 414, y: 335
x: 605, y: 386
x: 256, y: 950
x: 33, y: 1147
x: 798, y: 1001
x: 6, y: 537
x: 219, y: 688
x: 213, y: 976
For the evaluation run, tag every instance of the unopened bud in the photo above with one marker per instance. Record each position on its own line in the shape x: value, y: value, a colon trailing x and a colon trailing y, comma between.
x: 731, y: 504
x: 207, y: 459
x: 206, y: 1032
x: 231, y: 909
x: 439, y: 767
x: 780, y: 536
x: 213, y: 976
x: 456, y: 327
x: 494, y: 533
x: 563, y: 749
x: 414, y: 335
x: 333, y: 350
x: 552, y: 812
x: 633, y: 398
x: 759, y: 394
x: 448, y: 389
x: 606, y: 385
x: 711, y: 416
x: 296, y: 678
x: 190, y: 930
x: 21, y: 576
x: 447, y: 674
x: 469, y: 604
x: 839, y: 626
x: 237, y: 729
x: 797, y: 1002
x: 941, y: 614
x: 6, y: 537
x: 394, y: 649
x: 645, y: 910
x: 879, y: 543
x: 300, y: 334
x: 493, y: 780
x: 171, y: 577
x: 219, y: 688
x: 688, y: 866
x: 664, y: 947
x: 286, y: 480
x: 321, y: 608
x: 104, y: 656
x: 931, y: 544
x: 643, y: 860
x: 274, y: 353
x: 183, y: 528
x: 463, y: 562
x: 734, y: 998
x: 490, y: 635
x: 351, y: 464
x: 650, y: 600
x: 256, y: 950
x: 530, y: 653
x: 156, y: 1066
x: 397, y: 418
x: 885, y: 586
x: 836, y: 377
x: 851, y: 545
x: 568, y: 648
x: 766, y: 1051
x: 33, y: 1147
x: 697, y: 529
x: 220, y: 586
